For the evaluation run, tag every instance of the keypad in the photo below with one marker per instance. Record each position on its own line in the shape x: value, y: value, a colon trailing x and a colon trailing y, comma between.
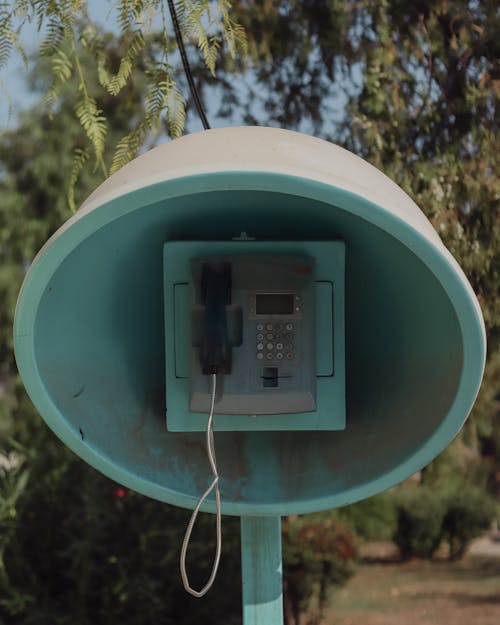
x: 277, y: 343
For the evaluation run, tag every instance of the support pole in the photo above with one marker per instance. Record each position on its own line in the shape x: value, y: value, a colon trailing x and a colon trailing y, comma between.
x: 261, y: 571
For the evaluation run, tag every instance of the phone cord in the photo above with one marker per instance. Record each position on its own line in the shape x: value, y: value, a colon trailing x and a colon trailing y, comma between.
x: 192, y: 520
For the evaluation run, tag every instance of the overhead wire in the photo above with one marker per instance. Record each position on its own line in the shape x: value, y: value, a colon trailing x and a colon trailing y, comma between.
x: 187, y: 67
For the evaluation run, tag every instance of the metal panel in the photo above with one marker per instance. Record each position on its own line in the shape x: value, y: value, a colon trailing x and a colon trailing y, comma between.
x: 181, y: 331
x: 324, y: 328
x: 330, y: 390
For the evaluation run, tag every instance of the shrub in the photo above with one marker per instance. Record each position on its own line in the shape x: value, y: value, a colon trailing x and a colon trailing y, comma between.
x: 76, y: 548
x: 373, y: 518
x: 469, y: 511
x: 425, y: 517
x: 318, y: 553
x: 420, y: 514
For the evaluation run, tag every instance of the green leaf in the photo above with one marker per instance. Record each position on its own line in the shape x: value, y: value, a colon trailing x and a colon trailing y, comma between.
x: 61, y: 67
x: 6, y: 34
x: 127, y: 148
x: 93, y: 122
x: 115, y: 83
x: 176, y: 111
x: 79, y: 160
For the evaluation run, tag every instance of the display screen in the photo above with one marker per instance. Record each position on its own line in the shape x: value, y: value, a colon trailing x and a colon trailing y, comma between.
x: 274, y: 303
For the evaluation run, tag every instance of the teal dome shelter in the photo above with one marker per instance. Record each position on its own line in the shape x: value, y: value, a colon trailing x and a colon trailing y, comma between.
x: 89, y: 331
x: 89, y: 328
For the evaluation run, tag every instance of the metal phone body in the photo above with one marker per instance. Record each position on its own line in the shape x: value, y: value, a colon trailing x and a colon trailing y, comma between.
x: 270, y: 317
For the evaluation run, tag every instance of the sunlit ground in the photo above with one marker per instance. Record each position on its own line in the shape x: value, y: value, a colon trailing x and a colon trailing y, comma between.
x: 386, y: 592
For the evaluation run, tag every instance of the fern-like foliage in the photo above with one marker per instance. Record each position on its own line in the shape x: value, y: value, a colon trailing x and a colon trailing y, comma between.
x: 93, y: 122
x: 232, y: 32
x: 127, y: 147
x: 114, y: 83
x: 162, y: 95
x: 176, y: 111
x: 195, y: 19
x: 59, y: 19
x: 5, y: 34
x: 62, y: 68
x: 69, y: 33
x: 209, y: 25
x: 79, y: 160
x: 57, y: 30
x: 131, y: 12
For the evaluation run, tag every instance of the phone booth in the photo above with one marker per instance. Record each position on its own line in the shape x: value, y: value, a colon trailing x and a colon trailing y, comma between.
x: 347, y: 345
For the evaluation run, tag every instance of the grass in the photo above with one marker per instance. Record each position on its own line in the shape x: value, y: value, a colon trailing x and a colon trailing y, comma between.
x: 419, y: 593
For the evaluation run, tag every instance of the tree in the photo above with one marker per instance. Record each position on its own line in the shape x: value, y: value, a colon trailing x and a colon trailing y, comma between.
x: 414, y: 89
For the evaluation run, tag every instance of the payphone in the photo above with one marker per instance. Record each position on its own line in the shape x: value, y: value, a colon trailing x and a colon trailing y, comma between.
x: 253, y: 318
x: 267, y: 315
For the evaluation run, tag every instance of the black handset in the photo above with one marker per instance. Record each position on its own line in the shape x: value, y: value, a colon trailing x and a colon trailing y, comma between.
x: 215, y: 350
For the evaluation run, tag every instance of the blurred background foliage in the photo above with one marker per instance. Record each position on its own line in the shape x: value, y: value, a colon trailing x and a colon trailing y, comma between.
x: 411, y: 87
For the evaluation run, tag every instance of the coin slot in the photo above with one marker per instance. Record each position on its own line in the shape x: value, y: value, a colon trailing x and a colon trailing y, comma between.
x: 270, y: 377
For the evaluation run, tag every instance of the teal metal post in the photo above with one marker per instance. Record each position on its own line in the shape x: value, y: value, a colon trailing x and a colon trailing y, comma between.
x: 261, y: 570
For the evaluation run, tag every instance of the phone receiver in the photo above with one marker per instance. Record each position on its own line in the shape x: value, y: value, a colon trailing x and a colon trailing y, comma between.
x: 215, y: 349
